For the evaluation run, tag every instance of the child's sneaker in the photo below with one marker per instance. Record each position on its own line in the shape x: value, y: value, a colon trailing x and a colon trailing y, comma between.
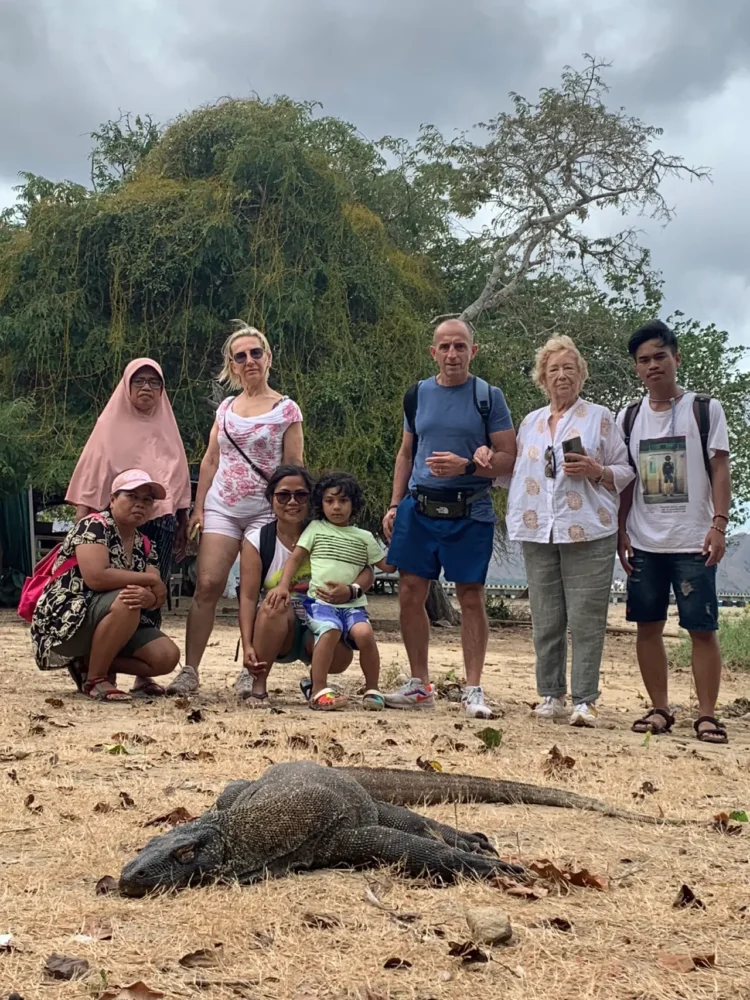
x: 328, y: 700
x: 414, y: 694
x: 472, y: 698
x: 373, y: 701
x: 586, y: 715
x: 551, y: 708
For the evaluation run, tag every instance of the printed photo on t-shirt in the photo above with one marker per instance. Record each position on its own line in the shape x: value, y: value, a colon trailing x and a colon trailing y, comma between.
x: 662, y: 467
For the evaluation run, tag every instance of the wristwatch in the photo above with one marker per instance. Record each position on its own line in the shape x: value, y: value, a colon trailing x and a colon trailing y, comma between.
x: 471, y: 468
x: 356, y: 591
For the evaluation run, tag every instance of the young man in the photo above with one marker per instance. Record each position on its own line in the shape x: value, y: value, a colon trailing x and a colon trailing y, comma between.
x: 673, y: 522
x: 441, y: 515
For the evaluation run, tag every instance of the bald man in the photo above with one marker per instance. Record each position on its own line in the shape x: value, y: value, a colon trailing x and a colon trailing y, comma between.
x: 458, y: 436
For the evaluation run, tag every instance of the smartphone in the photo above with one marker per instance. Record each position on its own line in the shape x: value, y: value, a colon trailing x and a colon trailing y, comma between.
x: 572, y: 446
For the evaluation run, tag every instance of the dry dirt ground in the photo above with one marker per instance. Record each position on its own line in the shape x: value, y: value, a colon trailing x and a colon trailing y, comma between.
x: 89, y: 806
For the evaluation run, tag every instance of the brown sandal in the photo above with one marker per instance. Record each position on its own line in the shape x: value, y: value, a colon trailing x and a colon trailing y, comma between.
x: 93, y: 689
x: 716, y: 734
x: 645, y: 725
x: 148, y: 690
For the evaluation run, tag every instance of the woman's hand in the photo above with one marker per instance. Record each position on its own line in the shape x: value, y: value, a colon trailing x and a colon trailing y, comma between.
x: 483, y: 457
x: 251, y: 662
x: 134, y: 596
x: 156, y: 585
x: 195, y: 524
x: 278, y: 597
x: 334, y: 593
x: 581, y: 466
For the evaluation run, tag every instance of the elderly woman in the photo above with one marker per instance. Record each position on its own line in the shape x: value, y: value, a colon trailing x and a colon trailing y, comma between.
x: 254, y: 433
x: 93, y: 613
x: 137, y: 430
x: 570, y: 468
x: 279, y: 635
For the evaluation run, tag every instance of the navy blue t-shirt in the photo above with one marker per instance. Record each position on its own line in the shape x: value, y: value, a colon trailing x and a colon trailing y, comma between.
x: 448, y: 420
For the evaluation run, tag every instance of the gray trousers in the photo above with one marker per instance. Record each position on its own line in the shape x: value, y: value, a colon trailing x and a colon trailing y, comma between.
x: 569, y: 588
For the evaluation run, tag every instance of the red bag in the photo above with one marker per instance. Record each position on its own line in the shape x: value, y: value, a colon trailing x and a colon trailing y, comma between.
x: 34, y: 585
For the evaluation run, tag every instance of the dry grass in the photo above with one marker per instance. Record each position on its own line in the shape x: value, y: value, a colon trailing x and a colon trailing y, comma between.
x: 50, y: 861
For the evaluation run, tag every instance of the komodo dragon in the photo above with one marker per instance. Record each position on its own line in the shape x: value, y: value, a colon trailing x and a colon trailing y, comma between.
x: 298, y: 816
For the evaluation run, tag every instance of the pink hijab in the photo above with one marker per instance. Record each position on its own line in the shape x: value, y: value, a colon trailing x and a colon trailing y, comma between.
x: 124, y: 438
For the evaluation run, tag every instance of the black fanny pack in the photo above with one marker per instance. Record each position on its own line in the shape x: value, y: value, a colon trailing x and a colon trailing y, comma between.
x: 446, y: 505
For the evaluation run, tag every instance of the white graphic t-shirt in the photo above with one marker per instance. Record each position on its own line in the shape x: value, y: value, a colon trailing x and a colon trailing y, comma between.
x: 672, y: 506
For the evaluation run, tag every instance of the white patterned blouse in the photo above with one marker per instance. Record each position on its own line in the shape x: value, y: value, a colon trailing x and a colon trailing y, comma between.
x: 546, y: 505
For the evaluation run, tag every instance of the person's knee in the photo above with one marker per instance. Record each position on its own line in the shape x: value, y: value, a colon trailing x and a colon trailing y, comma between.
x: 412, y: 590
x: 363, y: 638
x: 266, y: 613
x: 705, y: 639
x: 163, y: 656
x: 209, y: 586
x: 123, y: 612
x: 470, y: 597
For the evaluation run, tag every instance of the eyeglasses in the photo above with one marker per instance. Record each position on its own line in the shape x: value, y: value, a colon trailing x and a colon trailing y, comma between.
x: 285, y: 496
x: 550, y: 463
x: 152, y: 383
x: 240, y: 358
x: 135, y: 498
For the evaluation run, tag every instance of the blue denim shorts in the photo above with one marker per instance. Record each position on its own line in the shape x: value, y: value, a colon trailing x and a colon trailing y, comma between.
x: 694, y: 585
x: 322, y: 618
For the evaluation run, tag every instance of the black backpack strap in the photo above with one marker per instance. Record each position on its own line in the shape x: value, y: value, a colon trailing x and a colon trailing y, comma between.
x: 267, y: 549
x: 483, y: 403
x: 628, y: 420
x: 702, y: 413
x: 411, y: 398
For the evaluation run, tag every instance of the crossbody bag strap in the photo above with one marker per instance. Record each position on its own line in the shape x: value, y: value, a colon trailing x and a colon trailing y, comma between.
x: 249, y: 461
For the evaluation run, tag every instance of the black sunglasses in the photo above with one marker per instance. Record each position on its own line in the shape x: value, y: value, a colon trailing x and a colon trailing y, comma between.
x: 285, y: 496
x: 550, y: 466
x: 256, y: 353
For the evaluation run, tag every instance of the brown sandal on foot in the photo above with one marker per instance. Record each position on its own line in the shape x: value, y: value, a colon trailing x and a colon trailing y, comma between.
x: 716, y: 734
x: 645, y: 725
x: 93, y: 689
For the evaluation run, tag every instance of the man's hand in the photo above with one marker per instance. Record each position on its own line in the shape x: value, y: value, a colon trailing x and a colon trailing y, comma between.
x: 483, y: 457
x: 134, y: 596
x: 446, y: 464
x: 334, y: 593
x: 581, y: 466
x: 625, y: 552
x: 278, y: 598
x: 251, y: 662
x: 390, y: 517
x: 714, y: 547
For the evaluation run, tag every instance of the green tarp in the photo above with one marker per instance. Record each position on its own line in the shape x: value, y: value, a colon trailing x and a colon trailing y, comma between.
x: 15, y: 546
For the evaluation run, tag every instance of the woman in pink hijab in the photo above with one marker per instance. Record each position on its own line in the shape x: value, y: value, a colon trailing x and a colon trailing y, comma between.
x: 137, y: 430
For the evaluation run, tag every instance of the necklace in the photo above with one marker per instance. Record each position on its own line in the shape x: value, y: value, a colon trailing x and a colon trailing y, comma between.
x: 672, y: 399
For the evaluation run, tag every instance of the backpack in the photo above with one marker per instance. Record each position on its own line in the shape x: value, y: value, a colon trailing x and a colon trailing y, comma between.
x: 482, y: 401
x: 267, y: 548
x: 701, y: 412
x: 44, y: 573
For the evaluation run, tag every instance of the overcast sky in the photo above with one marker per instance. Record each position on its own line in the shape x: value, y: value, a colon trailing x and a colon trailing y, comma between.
x: 389, y: 65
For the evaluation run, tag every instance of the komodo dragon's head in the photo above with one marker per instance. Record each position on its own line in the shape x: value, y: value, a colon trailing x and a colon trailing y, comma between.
x: 188, y: 855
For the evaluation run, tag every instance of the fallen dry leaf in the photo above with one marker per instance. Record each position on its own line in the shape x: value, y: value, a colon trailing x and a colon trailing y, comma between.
x: 106, y: 885
x: 298, y: 742
x: 63, y: 967
x: 103, y: 807
x: 723, y: 824
x: 263, y: 939
x: 137, y: 738
x: 468, y: 952
x: 204, y: 958
x: 490, y: 737
x: 136, y: 991
x: 686, y: 963
x: 555, y: 924
x: 582, y: 879
x: 429, y: 765
x: 195, y: 716
x: 176, y: 817
x: 397, y: 963
x: 686, y: 899
x: 519, y: 890
x: 54, y: 702
x: 556, y: 762
x: 95, y: 929
x: 126, y: 802
x: 6, y: 943
x: 193, y: 755
x: 29, y: 804
x: 323, y: 921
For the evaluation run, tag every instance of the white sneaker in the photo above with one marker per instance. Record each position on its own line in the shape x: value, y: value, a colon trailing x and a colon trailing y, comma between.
x: 585, y: 714
x: 551, y: 708
x: 243, y: 686
x: 475, y: 706
x: 186, y: 682
x: 414, y: 694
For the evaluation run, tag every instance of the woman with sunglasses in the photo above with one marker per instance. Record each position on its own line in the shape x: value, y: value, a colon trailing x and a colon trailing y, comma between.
x: 279, y: 635
x: 570, y: 469
x: 137, y: 430
x: 254, y: 432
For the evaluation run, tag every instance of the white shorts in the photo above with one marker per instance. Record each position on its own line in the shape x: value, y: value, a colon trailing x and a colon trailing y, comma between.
x: 216, y: 523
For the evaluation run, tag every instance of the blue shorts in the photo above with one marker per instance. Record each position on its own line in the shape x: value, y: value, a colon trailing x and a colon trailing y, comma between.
x: 424, y: 546
x: 322, y: 618
x: 694, y: 585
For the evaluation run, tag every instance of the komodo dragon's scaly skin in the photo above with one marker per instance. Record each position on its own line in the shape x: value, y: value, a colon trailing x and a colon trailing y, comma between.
x: 301, y: 816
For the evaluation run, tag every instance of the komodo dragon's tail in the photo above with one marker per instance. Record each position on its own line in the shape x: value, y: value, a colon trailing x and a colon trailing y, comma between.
x: 406, y: 788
